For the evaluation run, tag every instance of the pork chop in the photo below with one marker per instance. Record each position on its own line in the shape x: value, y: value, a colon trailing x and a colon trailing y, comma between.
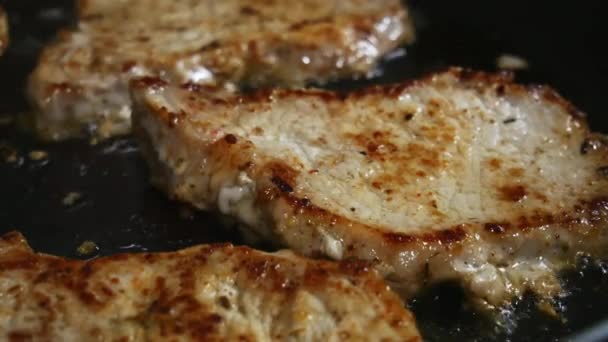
x: 80, y: 83
x: 211, y: 293
x: 461, y: 175
x: 3, y: 31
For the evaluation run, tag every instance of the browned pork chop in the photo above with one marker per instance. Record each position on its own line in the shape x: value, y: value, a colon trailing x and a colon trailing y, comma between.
x: 3, y: 31
x: 460, y: 175
x: 211, y: 293
x: 80, y: 83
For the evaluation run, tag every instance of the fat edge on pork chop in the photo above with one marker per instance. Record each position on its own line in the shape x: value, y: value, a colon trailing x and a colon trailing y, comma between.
x: 205, y: 293
x: 80, y: 85
x: 461, y: 175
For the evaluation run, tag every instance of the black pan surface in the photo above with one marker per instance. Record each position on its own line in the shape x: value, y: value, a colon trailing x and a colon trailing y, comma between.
x: 120, y: 212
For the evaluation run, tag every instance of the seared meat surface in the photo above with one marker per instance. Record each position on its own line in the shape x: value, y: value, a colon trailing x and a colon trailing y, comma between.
x: 80, y: 83
x: 204, y: 293
x: 3, y: 31
x: 460, y: 175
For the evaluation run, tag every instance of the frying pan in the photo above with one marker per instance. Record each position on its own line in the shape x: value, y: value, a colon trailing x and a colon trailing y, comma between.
x: 118, y: 210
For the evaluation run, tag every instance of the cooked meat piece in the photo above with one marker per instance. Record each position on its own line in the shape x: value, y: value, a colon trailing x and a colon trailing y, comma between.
x: 210, y: 293
x: 460, y: 175
x: 3, y: 31
x: 80, y: 83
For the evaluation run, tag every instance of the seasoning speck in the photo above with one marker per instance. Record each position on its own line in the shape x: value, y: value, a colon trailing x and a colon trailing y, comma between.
x: 86, y: 248
x: 230, y: 138
x: 71, y: 198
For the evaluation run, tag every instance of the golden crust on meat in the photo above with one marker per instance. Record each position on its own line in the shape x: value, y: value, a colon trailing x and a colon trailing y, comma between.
x: 460, y: 175
x: 213, y: 293
x: 81, y: 79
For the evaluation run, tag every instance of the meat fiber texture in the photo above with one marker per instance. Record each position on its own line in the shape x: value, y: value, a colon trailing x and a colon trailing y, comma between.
x: 80, y: 86
x: 460, y: 175
x: 204, y: 293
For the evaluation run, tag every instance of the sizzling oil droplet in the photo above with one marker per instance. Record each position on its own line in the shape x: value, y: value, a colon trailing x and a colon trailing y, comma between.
x: 133, y: 247
x: 120, y: 146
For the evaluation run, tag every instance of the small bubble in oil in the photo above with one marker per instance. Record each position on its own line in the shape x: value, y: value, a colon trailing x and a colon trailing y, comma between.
x: 603, y: 266
x: 83, y: 170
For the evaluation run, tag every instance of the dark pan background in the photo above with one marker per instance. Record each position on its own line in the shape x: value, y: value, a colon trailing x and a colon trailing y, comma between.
x: 563, y: 41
